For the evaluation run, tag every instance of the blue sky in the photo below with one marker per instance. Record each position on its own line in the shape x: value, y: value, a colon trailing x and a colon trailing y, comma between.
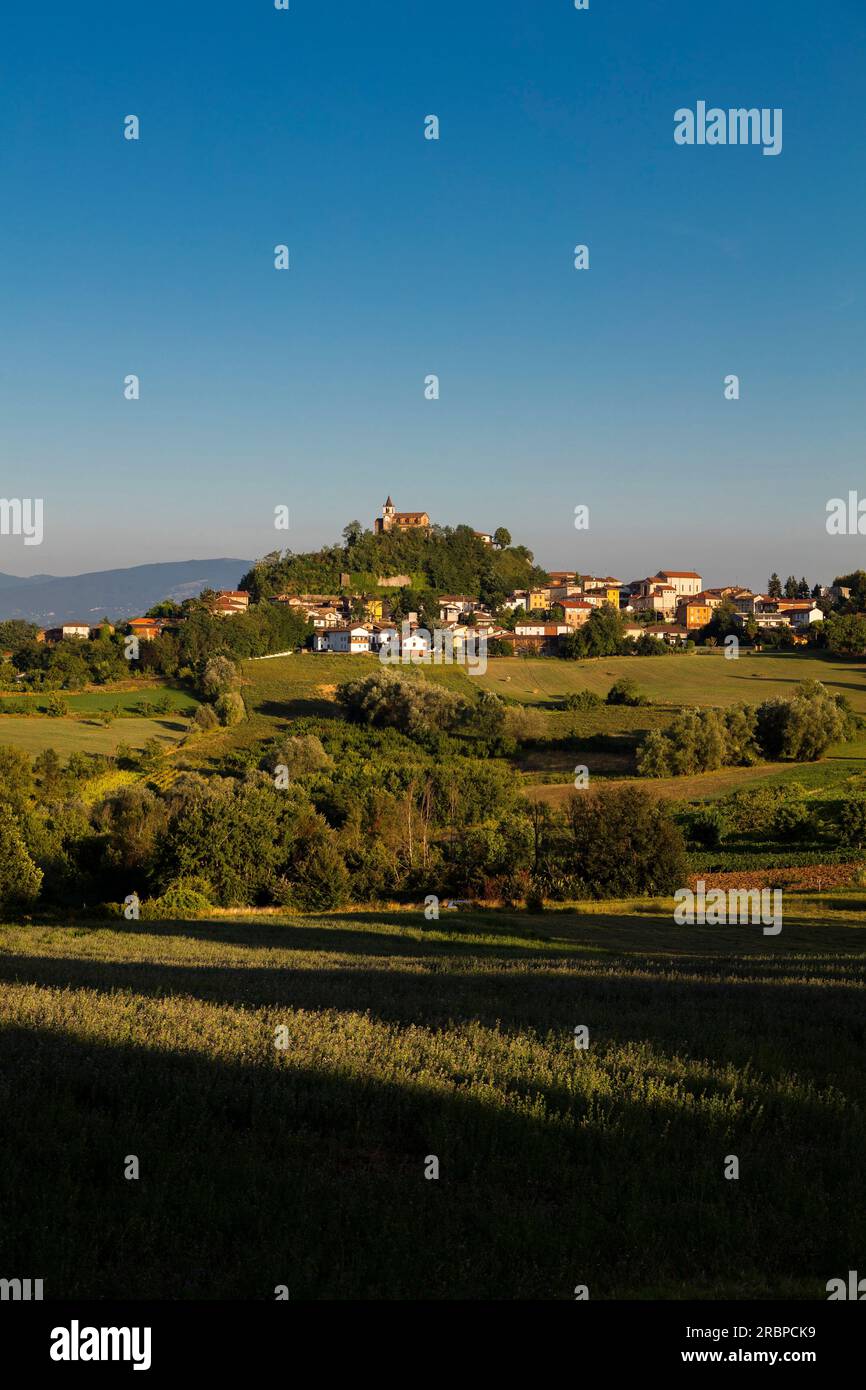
x: 410, y: 257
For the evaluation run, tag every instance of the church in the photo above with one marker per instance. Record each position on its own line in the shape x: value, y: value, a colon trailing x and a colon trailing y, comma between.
x: 392, y: 520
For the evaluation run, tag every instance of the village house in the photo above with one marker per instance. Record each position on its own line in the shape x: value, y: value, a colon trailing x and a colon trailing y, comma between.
x: 374, y: 607
x: 540, y: 638
x: 766, y: 620
x: 327, y: 618
x: 79, y: 631
x: 675, y: 634
x: 528, y: 599
x: 687, y: 583
x: 566, y: 589
x: 227, y: 602
x: 693, y: 613
x: 352, y: 641
x: 453, y: 606
x: 653, y: 596
x: 575, y: 611
x: 713, y: 598
x: 801, y: 613
x: 608, y: 587
x: 145, y: 629
x: 480, y: 619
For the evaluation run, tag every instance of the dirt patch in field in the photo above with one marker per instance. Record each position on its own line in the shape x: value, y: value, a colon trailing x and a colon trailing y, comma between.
x: 815, y: 877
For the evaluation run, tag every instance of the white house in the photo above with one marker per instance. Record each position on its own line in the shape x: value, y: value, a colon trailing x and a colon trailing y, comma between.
x: 350, y: 640
x: 451, y: 606
x: 802, y: 617
x: 687, y: 583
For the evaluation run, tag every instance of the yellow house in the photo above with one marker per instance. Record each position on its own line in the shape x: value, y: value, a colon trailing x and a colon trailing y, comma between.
x: 694, y: 613
x: 537, y: 598
x: 374, y: 609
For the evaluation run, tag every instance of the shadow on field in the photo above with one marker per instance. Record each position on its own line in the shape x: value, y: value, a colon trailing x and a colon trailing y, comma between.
x: 299, y: 708
x: 728, y: 1019
x: 255, y: 1175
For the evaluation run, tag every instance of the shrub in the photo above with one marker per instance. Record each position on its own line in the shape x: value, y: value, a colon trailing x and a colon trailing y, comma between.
x: 756, y: 809
x: 206, y: 717
x: 582, y: 699
x: 792, y: 821
x: 230, y: 708
x: 801, y: 729
x: 852, y: 822
x: 56, y: 706
x: 20, y: 879
x: 220, y: 675
x: 321, y: 880
x: 625, y: 692
x: 184, y: 898
x: 706, y: 827
x: 412, y: 706
x: 699, y: 740
x: 299, y: 755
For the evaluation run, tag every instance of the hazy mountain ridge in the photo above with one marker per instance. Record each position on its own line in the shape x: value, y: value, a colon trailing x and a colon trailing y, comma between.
x: 118, y: 593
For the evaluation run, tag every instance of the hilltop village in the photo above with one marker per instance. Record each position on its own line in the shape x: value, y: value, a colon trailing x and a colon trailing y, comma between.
x: 370, y: 600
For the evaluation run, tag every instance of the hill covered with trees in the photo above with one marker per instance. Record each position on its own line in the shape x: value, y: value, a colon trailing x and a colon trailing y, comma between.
x: 442, y: 560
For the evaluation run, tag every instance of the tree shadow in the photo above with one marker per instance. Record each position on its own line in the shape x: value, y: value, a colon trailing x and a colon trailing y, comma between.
x: 258, y: 1174
x: 734, y: 1015
x: 298, y: 708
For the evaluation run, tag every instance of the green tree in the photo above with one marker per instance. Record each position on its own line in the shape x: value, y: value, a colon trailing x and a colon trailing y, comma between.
x: 16, y: 779
x: 624, y: 842
x: 801, y: 729
x: 385, y: 699
x: 20, y: 879
x: 220, y: 675
x: 230, y: 708
x: 625, y: 692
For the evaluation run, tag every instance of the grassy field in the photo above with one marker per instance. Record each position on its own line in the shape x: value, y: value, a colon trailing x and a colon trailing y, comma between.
x: 555, y: 741
x: 305, y: 1165
x: 35, y: 732
x: 676, y: 680
x: 67, y: 736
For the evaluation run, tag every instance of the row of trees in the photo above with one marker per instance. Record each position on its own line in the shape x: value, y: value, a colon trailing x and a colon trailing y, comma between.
x: 799, y: 729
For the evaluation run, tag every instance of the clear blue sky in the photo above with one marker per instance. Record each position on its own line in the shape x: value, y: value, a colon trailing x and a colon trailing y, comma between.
x: 412, y: 257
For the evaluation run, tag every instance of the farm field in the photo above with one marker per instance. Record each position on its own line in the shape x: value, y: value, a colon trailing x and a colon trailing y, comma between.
x: 36, y: 732
x: 304, y: 1165
x: 305, y: 684
x: 694, y: 679
x: 126, y: 696
x: 286, y: 688
x: 66, y: 736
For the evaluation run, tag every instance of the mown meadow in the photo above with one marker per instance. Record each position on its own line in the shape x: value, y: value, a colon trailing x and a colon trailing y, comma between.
x: 304, y: 1165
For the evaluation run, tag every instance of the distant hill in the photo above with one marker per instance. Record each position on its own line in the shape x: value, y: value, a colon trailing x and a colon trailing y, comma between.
x: 13, y: 581
x: 123, y: 593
